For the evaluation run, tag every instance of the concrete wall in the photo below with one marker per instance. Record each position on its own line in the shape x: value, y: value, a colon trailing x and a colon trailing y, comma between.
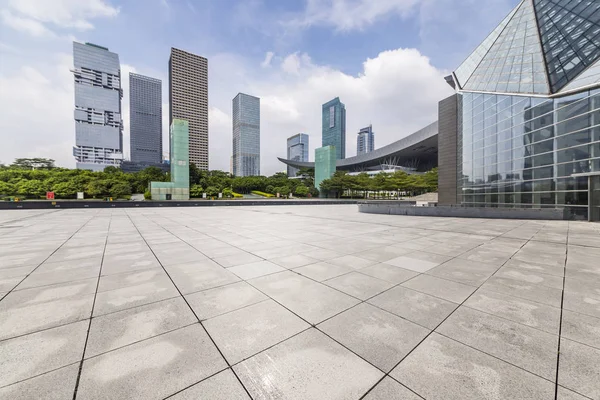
x: 447, y: 150
x: 462, y: 212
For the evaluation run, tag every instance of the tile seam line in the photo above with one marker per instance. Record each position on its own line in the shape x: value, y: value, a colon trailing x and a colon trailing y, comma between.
x: 434, y: 329
x: 87, y: 336
x: 45, y: 259
x: 188, y: 304
x: 32, y: 216
x: 562, y: 300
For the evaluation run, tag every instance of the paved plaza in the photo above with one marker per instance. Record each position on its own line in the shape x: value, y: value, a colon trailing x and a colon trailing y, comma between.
x: 296, y: 302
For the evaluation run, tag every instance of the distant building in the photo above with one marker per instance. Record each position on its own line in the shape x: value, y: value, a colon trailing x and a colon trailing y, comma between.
x: 179, y: 187
x: 334, y: 127
x: 365, y: 141
x: 324, y: 165
x: 246, y: 135
x: 131, y: 166
x: 188, y: 100
x: 297, y: 150
x: 145, y: 119
x: 98, y: 125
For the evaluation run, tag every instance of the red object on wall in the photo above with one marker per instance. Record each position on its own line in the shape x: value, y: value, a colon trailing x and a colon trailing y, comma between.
x: 49, y: 195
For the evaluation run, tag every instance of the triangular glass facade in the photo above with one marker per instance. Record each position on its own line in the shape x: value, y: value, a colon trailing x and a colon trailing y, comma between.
x: 570, y: 33
x: 514, y: 63
x: 464, y: 72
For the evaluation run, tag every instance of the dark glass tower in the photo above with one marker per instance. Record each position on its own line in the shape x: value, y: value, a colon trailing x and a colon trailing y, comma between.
x: 145, y: 114
x: 334, y: 127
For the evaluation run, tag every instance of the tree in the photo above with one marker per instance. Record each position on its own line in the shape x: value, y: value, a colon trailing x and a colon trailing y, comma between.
x: 227, y: 193
x: 112, y: 170
x: 97, y: 188
x: 33, y: 163
x: 120, y: 189
x: 212, y: 191
x: 32, y: 188
x: 196, y: 191
x: 195, y: 174
x: 65, y: 190
x: 301, y: 191
x: 7, y: 188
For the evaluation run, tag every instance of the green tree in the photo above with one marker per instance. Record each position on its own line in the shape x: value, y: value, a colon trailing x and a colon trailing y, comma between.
x: 97, y: 188
x: 301, y: 191
x: 31, y: 188
x: 112, y: 170
x: 212, y: 191
x: 196, y: 191
x: 120, y: 189
x: 33, y: 163
x: 305, y: 171
x: 65, y: 190
x: 7, y: 189
x: 227, y: 193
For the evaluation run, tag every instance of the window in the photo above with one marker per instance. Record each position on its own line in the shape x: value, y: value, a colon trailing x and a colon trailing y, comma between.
x: 331, y: 116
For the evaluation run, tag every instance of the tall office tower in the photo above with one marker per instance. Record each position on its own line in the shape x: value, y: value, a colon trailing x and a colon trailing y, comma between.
x: 188, y: 100
x: 145, y: 118
x: 297, y: 150
x: 365, y: 141
x: 334, y: 127
x: 98, y: 125
x: 246, y: 135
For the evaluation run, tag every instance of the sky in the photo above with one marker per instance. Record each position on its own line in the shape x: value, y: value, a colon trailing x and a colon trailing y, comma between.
x: 385, y: 59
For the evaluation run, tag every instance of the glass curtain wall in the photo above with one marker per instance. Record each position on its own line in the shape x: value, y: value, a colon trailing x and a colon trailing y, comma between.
x: 517, y: 151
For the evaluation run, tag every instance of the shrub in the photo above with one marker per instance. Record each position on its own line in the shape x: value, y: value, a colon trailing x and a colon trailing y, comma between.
x: 301, y: 191
x: 147, y: 195
x: 262, y: 193
x: 196, y: 191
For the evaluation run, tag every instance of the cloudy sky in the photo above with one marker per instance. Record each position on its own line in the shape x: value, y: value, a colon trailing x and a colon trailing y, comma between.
x: 385, y: 59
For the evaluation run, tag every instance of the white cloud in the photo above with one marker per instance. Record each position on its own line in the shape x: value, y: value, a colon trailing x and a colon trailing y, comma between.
x: 27, y: 25
x: 268, y: 58
x: 37, y: 17
x: 346, y: 15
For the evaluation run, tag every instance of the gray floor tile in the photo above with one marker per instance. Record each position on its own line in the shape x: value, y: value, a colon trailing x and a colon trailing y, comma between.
x: 128, y: 262
x: 310, y: 300
x: 294, y: 261
x: 245, y: 332
x: 202, y: 275
x: 236, y: 259
x: 382, y: 254
x: 37, y: 278
x: 358, y: 285
x: 566, y: 394
x: 222, y: 386
x: 134, y: 278
x: 55, y: 385
x: 464, y: 271
x: 525, y: 347
x: 31, y: 310
x: 389, y: 273
x: 581, y: 328
x: 322, y: 254
x: 322, y: 271
x: 425, y: 310
x: 541, y: 294
x: 31, y: 355
x: 581, y: 303
x: 589, y: 288
x: 309, y: 366
x: 379, y: 337
x: 217, y: 301
x: 122, y: 328
x: 535, y: 315
x: 441, y: 368
x: 536, y: 278
x: 443, y: 288
x: 133, y: 296
x: 536, y: 267
x: 578, y: 368
x: 352, y: 261
x: 412, y: 264
x: 389, y: 389
x: 256, y: 269
x: 146, y: 369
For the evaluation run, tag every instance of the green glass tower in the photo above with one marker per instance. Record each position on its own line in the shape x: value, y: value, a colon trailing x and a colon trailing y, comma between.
x: 324, y: 165
x: 179, y: 187
x: 334, y: 127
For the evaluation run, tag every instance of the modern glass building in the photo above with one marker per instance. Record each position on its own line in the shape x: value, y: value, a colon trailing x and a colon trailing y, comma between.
x: 324, y: 164
x: 179, y: 187
x: 365, y: 141
x: 523, y: 129
x: 98, y: 125
x: 297, y: 150
x: 246, y: 135
x: 334, y: 127
x: 145, y: 115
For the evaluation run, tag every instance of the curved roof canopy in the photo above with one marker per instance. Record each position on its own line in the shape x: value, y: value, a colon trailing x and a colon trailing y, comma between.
x: 542, y: 47
x: 421, y: 146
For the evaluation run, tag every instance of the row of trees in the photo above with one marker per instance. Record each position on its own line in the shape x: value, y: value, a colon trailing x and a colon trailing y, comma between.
x: 380, y: 185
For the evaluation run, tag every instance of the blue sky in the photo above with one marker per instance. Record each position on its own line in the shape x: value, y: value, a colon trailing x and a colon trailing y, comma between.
x: 385, y: 59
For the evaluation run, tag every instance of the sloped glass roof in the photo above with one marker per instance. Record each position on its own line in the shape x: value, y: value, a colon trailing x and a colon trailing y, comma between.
x: 514, y: 63
x: 588, y: 77
x: 470, y: 64
x: 570, y: 33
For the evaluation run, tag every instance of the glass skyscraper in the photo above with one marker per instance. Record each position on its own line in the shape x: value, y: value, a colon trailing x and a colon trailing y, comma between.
x: 365, y: 141
x: 324, y: 165
x: 528, y: 112
x: 145, y: 114
x: 246, y: 135
x: 334, y: 127
x: 98, y: 124
x: 297, y: 149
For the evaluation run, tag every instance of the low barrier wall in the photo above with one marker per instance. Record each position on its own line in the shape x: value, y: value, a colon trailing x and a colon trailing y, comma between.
x: 38, y: 205
x: 462, y: 212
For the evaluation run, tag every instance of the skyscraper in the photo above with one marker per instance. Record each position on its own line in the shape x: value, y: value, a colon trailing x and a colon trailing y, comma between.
x: 334, y: 127
x: 98, y: 125
x: 365, y: 141
x: 297, y: 149
x: 188, y: 100
x: 246, y: 135
x: 145, y: 117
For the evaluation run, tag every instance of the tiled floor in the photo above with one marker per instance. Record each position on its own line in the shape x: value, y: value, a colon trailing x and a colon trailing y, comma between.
x: 302, y: 302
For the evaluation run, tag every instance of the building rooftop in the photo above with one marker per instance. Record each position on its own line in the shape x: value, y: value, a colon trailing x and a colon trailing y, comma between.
x: 295, y: 302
